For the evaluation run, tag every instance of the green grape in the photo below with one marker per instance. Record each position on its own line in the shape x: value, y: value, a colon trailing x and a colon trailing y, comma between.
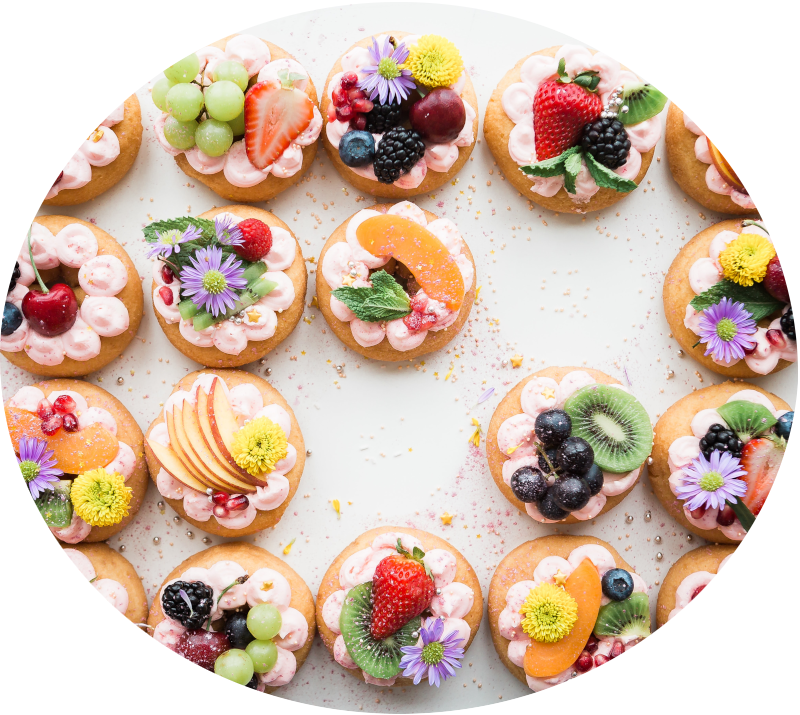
x: 264, y: 621
x: 214, y: 137
x: 237, y: 125
x: 224, y: 100
x: 264, y: 655
x: 159, y: 93
x: 232, y: 71
x: 184, y: 101
x: 180, y: 134
x: 184, y: 70
x: 235, y: 665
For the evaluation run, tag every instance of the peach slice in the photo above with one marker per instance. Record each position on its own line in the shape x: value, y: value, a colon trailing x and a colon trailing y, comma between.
x: 544, y: 660
x: 223, y: 424
x: 177, y: 438
x: 420, y: 251
x: 723, y: 167
x: 174, y: 467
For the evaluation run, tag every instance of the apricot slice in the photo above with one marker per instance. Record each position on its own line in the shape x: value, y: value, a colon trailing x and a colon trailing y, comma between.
x: 418, y: 250
x: 723, y: 167
x: 75, y: 452
x: 544, y: 660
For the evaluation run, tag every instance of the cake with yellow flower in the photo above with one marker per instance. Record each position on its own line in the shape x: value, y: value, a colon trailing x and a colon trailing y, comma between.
x: 226, y: 452
x: 81, y: 454
x: 560, y: 606
x: 400, y: 114
x: 727, y: 303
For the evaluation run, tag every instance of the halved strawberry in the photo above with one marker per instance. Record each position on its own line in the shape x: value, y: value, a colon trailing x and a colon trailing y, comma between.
x: 761, y: 458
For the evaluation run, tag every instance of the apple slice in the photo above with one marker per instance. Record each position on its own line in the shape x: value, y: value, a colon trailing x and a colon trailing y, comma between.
x: 222, y: 419
x: 723, y: 167
x: 174, y: 467
x: 174, y: 422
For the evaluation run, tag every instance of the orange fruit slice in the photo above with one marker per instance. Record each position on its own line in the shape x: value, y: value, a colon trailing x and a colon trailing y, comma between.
x: 723, y: 167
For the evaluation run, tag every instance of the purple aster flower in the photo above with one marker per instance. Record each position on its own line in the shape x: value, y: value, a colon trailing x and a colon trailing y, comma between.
x: 228, y: 233
x: 169, y: 241
x: 37, y: 465
x: 437, y: 657
x: 711, y: 483
x: 724, y: 328
x: 210, y: 283
x: 385, y: 79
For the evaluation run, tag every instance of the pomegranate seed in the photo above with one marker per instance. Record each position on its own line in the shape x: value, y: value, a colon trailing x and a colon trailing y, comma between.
x: 359, y: 122
x: 698, y: 513
x: 220, y: 498
x: 600, y: 659
x: 237, y: 503
x: 60, y: 176
x: 592, y: 643
x: 52, y: 424
x: 70, y: 423
x: 167, y: 275
x: 44, y: 409
x: 362, y: 105
x: 751, y: 349
x: 354, y: 94
x: 220, y: 511
x: 165, y: 294
x: 339, y: 97
x: 64, y: 404
x: 726, y: 517
x: 344, y: 113
x: 585, y: 662
x: 617, y: 649
x: 349, y: 79
x: 776, y: 338
x: 332, y: 113
x: 697, y: 592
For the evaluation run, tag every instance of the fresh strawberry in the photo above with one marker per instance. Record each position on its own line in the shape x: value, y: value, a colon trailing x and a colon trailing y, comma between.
x: 257, y: 239
x: 775, y: 281
x: 402, y: 589
x: 761, y: 458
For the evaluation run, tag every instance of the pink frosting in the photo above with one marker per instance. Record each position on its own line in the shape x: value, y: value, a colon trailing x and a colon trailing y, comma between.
x: 113, y: 591
x: 76, y: 532
x: 107, y: 316
x: 82, y: 563
x: 74, y: 245
x: 685, y: 591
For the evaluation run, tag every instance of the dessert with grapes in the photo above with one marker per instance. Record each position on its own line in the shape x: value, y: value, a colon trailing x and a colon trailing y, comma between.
x: 399, y: 607
x: 572, y: 129
x: 239, y: 116
x: 238, y: 611
x: 568, y: 444
x: 396, y: 282
x: 226, y: 452
x: 400, y: 114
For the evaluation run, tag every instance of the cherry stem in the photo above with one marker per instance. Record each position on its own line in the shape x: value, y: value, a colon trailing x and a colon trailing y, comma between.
x: 44, y: 288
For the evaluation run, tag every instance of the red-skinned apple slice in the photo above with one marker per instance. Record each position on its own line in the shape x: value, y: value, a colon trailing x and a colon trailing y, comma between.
x: 173, y: 466
x: 174, y: 421
x: 222, y: 420
x: 723, y: 167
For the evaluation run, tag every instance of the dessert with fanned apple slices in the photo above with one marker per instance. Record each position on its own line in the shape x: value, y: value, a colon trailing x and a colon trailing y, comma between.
x: 226, y: 452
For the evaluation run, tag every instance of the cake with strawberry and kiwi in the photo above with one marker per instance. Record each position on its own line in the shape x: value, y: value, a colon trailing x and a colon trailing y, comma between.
x: 699, y: 168
x: 572, y: 129
x: 560, y: 606
x: 74, y: 301
x: 399, y: 606
x: 238, y: 611
x: 239, y: 116
x: 228, y: 285
x: 396, y: 282
x: 102, y: 160
x: 81, y: 454
x: 727, y: 304
x: 226, y: 452
x: 717, y: 452
x: 688, y: 577
x: 568, y: 444
x: 401, y: 114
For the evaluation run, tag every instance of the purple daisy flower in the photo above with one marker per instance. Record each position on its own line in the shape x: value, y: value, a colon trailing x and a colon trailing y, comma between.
x: 712, y: 483
x: 228, y: 233
x: 37, y: 465
x: 437, y: 657
x: 385, y: 79
x: 169, y: 241
x: 210, y: 283
x: 724, y: 328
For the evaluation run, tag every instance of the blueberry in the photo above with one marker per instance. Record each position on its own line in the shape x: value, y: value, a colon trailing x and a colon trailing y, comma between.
x: 571, y: 493
x: 594, y: 478
x: 551, y: 456
x: 528, y: 484
x: 357, y: 148
x: 617, y: 584
x: 237, y: 631
x: 12, y: 319
x: 782, y: 429
x: 549, y: 509
x: 252, y: 683
x: 575, y: 455
x: 553, y: 427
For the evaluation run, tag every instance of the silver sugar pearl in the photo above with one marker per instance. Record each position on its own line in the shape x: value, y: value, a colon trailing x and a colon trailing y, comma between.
x: 659, y: 556
x: 189, y: 534
x: 689, y: 538
x: 209, y: 491
x: 680, y: 353
x: 415, y: 634
x: 237, y: 320
x: 629, y: 519
x: 156, y: 540
x: 504, y: 363
x: 438, y: 591
x: 647, y: 516
x: 618, y: 90
x: 350, y: 264
x: 604, y: 115
x: 574, y: 674
x: 120, y: 380
x: 670, y: 374
x: 617, y: 101
x: 160, y: 505
x: 353, y: 273
x: 441, y: 618
x: 308, y: 453
x: 624, y: 109
x: 176, y: 519
x: 268, y: 371
x: 122, y: 548
x: 338, y: 368
x: 649, y: 464
x: 262, y: 362
x: 657, y: 539
x: 206, y: 540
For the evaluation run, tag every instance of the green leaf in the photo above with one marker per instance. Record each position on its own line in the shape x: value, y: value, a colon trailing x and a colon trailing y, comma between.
x: 744, y: 515
x: 550, y: 167
x: 180, y: 224
x: 607, y: 179
x: 756, y: 300
x: 572, y: 167
x: 385, y: 300
x: 562, y: 71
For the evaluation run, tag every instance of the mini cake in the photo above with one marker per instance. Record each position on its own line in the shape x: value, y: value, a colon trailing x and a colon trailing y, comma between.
x: 113, y: 576
x: 102, y: 160
x: 239, y: 116
x: 566, y: 445
x: 74, y: 302
x: 701, y: 171
x: 572, y: 129
x: 687, y: 578
x: 81, y: 454
x: 400, y: 113
x: 716, y: 454
x: 399, y: 606
x: 727, y: 304
x: 228, y: 286
x: 226, y: 452
x: 396, y: 282
x: 560, y: 606
x: 239, y: 611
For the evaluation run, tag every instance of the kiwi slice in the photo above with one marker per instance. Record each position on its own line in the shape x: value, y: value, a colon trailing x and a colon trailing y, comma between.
x: 55, y: 505
x: 625, y: 619
x: 643, y: 102
x: 747, y: 419
x: 379, y: 658
x: 614, y: 423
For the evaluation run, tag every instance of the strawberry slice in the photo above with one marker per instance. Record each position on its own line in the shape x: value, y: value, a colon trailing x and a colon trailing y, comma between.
x: 761, y: 458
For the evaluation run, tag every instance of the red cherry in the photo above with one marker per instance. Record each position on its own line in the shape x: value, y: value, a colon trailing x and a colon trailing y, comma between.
x: 220, y: 511
x: 349, y: 79
x: 167, y: 274
x: 52, y: 424
x: 165, y: 294
x: 51, y: 313
x: 220, y: 498
x: 696, y: 592
x: 726, y: 517
x: 439, y: 116
x: 44, y: 409
x: 203, y: 647
x: 600, y: 659
x: 64, y: 404
x: 237, y: 503
x: 70, y: 423
x: 585, y: 662
x: 617, y: 649
x: 775, y: 281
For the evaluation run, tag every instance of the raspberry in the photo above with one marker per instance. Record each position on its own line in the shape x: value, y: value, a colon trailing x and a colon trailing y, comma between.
x: 257, y: 239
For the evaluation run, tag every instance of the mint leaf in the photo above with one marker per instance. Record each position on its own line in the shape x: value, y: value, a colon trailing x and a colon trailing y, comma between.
x: 756, y: 300
x: 385, y: 300
x: 607, y: 179
x: 180, y: 224
x: 572, y: 167
x: 550, y: 167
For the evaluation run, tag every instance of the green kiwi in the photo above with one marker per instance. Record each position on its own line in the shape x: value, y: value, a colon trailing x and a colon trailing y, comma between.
x: 625, y: 619
x: 643, y: 102
x: 614, y: 423
x: 747, y: 419
x: 379, y: 658
x: 55, y: 505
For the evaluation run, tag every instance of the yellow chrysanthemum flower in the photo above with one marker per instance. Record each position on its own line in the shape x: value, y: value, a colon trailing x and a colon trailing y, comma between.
x: 744, y: 260
x: 100, y: 498
x: 548, y: 613
x: 434, y: 61
x: 259, y: 445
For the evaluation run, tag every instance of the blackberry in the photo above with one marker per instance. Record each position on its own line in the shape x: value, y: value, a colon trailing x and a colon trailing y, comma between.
x: 382, y: 118
x: 200, y: 596
x: 721, y: 439
x: 607, y: 141
x: 397, y: 153
x: 16, y: 274
x: 787, y: 324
